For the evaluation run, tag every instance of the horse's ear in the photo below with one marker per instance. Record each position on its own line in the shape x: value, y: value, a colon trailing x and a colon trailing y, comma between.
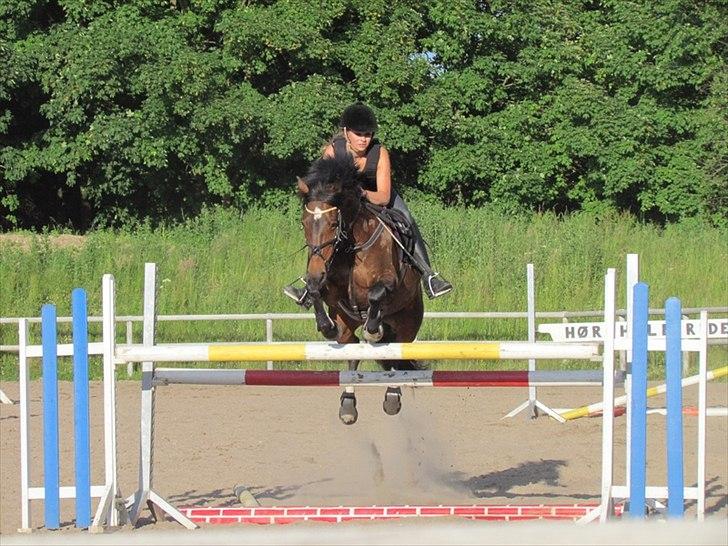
x: 302, y: 186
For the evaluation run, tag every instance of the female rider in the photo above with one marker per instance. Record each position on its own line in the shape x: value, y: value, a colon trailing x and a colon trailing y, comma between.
x: 358, y: 125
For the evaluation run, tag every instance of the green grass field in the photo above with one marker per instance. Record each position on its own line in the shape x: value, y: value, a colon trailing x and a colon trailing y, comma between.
x: 224, y: 262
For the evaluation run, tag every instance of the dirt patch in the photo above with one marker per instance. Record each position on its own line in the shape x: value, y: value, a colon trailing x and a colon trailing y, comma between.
x: 24, y: 241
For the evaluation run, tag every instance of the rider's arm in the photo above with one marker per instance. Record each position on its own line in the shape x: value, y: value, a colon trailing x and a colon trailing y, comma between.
x: 328, y: 151
x: 384, y: 181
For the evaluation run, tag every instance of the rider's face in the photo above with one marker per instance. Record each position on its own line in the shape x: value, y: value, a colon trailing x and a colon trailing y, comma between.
x: 358, y: 140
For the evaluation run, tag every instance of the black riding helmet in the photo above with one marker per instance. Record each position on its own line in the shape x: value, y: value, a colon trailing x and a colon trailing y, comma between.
x: 359, y: 117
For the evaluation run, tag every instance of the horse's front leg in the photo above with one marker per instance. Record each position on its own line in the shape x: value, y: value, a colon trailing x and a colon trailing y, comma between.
x: 324, y: 324
x: 373, y: 329
x: 347, y: 411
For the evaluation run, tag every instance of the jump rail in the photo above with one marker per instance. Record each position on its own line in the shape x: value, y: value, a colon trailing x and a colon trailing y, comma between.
x: 421, y: 350
x: 289, y: 378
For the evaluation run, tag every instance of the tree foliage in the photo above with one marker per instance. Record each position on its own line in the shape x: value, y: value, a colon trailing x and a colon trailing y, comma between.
x: 117, y: 112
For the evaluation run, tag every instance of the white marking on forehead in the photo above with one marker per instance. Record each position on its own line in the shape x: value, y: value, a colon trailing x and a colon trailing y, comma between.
x: 317, y: 212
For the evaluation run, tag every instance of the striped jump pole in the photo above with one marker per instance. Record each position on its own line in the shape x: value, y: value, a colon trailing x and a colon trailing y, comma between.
x: 418, y: 378
x: 595, y: 409
x: 422, y: 350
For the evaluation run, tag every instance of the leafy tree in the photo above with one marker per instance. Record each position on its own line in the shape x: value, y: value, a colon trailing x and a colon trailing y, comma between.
x: 118, y: 112
x: 567, y: 105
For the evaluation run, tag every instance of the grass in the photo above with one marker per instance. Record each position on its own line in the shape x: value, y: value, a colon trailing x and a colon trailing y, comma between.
x: 225, y: 262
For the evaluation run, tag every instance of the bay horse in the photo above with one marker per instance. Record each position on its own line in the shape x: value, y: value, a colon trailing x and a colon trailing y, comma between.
x: 355, y: 268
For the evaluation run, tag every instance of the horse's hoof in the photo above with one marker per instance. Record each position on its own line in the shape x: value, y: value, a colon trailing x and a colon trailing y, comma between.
x: 392, y: 401
x: 347, y: 411
x: 245, y: 497
x: 374, y: 337
x: 330, y: 330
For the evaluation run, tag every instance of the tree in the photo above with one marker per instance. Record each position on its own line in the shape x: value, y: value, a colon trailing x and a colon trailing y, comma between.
x: 117, y: 112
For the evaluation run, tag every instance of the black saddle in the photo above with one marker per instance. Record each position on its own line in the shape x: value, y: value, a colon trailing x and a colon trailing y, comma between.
x: 400, y: 225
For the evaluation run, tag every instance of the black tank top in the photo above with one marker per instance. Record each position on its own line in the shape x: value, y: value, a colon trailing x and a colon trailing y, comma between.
x: 370, y: 167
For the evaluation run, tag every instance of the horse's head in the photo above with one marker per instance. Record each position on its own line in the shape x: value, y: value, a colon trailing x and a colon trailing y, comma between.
x: 331, y: 195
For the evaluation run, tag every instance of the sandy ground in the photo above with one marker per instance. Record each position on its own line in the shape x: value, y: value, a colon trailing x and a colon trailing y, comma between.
x: 288, y: 446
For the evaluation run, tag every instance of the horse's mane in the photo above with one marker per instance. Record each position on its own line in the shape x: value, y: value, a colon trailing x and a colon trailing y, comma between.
x: 334, y: 180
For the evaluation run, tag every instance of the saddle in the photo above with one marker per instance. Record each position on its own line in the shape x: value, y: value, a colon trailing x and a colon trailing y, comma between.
x: 399, y: 224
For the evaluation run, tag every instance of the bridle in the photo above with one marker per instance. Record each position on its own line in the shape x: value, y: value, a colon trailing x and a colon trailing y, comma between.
x: 340, y: 240
x: 340, y: 237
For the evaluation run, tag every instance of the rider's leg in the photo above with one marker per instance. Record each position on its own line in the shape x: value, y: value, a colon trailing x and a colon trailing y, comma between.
x: 432, y: 282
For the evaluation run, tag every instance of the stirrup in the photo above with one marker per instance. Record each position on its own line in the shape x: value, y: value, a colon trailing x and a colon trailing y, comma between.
x: 299, y: 295
x: 443, y: 286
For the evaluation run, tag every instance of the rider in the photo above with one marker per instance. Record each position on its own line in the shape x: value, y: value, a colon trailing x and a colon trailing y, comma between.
x: 356, y: 137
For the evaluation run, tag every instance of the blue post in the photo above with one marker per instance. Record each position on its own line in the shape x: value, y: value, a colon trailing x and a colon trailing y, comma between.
x: 638, y: 408
x: 81, y: 408
x: 50, y: 417
x: 673, y: 372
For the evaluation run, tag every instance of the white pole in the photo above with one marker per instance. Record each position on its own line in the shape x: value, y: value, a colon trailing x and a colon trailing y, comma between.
x: 702, y: 405
x: 531, y: 288
x: 129, y: 340
x: 145, y: 495
x: 146, y: 440
x: 24, y: 426
x: 108, y: 509
x: 606, y: 507
x: 633, y: 277
x: 269, y: 337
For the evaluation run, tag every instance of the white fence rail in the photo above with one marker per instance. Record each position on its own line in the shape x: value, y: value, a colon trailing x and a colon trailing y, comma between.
x: 269, y: 318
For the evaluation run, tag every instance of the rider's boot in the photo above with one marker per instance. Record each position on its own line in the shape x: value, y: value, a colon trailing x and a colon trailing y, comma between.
x: 299, y: 295
x: 432, y: 282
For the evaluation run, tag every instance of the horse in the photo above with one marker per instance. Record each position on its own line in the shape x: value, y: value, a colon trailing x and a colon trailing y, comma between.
x: 355, y: 268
